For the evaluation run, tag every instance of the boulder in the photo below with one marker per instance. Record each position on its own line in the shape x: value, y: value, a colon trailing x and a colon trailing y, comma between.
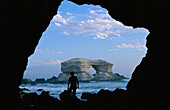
x: 63, y: 77
x: 103, y: 76
x: 67, y: 98
x: 26, y: 81
x: 52, y: 80
x: 40, y: 80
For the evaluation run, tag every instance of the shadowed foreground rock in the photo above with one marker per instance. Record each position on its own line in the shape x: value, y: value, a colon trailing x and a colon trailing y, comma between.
x: 104, y: 99
x: 107, y: 100
x: 44, y: 101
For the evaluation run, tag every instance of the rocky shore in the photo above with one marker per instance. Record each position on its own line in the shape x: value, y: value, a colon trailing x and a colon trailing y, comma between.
x: 103, y: 100
x: 54, y: 79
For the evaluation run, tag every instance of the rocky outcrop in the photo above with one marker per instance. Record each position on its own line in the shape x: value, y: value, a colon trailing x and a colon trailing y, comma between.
x: 26, y: 81
x: 81, y: 68
x: 103, y: 76
x: 52, y: 80
x: 40, y: 80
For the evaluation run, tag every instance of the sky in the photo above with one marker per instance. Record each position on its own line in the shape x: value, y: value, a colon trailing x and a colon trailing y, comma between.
x: 86, y: 31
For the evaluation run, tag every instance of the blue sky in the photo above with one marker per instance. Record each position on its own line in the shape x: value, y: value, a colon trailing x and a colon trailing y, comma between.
x: 86, y: 31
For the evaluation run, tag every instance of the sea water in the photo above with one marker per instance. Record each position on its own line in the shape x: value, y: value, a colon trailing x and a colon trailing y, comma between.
x: 92, y: 87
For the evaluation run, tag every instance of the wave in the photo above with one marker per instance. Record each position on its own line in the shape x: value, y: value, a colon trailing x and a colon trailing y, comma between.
x: 92, y: 87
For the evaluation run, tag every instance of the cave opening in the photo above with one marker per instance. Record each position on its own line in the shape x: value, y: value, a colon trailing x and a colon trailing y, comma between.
x: 86, y: 31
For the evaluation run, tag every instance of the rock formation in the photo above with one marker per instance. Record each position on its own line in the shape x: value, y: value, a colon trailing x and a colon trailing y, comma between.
x: 26, y: 81
x: 80, y: 67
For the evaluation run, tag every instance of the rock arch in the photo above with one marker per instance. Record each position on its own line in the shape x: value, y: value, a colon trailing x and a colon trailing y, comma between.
x: 81, y: 66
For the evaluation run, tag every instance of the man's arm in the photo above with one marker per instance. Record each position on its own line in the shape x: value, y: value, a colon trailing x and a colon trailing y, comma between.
x: 68, y: 83
x: 77, y: 82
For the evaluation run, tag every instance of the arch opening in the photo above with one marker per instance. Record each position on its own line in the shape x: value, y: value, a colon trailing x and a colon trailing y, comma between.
x: 92, y: 70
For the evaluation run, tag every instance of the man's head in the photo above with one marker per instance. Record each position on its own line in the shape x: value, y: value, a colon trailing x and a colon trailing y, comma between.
x: 72, y: 73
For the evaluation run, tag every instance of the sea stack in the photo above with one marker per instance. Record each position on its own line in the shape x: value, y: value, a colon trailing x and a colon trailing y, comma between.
x: 81, y: 66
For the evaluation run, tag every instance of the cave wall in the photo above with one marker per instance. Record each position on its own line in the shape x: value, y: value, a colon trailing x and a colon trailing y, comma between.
x: 24, y: 21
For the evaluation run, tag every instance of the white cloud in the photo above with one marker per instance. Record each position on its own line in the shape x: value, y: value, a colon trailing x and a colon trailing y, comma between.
x: 118, y: 23
x: 56, y: 62
x: 99, y: 25
x: 125, y: 46
x: 113, y: 49
x: 100, y: 11
x: 41, y: 51
x: 132, y: 46
x: 90, y: 21
x: 59, y: 52
x: 54, y: 52
x: 137, y: 46
x: 66, y: 33
x: 101, y: 28
x: 59, y: 18
x: 92, y: 11
x: 57, y: 24
x: 68, y: 13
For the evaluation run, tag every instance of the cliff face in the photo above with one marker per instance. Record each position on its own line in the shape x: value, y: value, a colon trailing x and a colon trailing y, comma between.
x: 23, y: 23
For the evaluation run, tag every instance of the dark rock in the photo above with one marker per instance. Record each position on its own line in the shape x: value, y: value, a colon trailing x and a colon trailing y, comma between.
x: 52, y: 80
x: 24, y: 89
x: 30, y: 100
x: 66, y: 97
x: 70, y: 101
x: 42, y: 102
x: 26, y: 81
x: 40, y: 80
x: 40, y: 90
x: 88, y: 96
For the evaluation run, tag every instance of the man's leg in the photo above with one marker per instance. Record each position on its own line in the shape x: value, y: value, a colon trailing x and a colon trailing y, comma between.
x: 74, y: 91
x: 69, y: 91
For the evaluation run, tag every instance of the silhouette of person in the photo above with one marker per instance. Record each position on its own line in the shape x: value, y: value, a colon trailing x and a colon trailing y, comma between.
x: 74, y: 83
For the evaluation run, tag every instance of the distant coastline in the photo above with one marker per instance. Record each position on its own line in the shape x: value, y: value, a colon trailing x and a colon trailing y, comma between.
x: 54, y: 80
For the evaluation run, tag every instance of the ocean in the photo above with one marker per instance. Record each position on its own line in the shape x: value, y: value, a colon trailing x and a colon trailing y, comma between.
x: 92, y: 87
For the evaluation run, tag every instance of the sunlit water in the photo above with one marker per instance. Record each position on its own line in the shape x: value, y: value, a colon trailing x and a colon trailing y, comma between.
x: 92, y: 87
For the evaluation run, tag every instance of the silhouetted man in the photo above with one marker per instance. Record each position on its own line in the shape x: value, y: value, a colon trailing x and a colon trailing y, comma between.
x: 74, y: 83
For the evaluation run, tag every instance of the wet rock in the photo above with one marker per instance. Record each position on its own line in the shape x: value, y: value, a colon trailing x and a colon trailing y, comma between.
x: 40, y: 90
x: 88, y: 96
x: 32, y: 101
x: 40, y: 80
x: 52, y: 80
x: 24, y: 89
x: 26, y: 81
x: 65, y: 97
